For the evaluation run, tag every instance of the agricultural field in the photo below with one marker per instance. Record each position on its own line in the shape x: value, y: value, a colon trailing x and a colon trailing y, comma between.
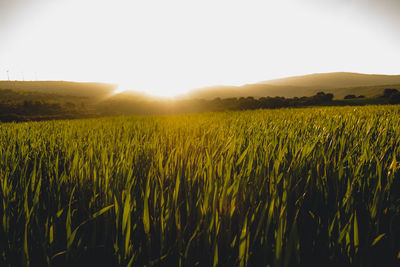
x: 288, y: 187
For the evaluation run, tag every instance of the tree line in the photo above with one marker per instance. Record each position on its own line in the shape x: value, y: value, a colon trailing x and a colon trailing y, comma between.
x: 46, y: 109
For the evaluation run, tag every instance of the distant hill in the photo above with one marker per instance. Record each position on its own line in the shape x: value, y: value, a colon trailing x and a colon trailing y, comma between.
x: 339, y: 84
x: 62, y: 88
x: 13, y: 96
x: 336, y: 80
x: 264, y: 90
x: 44, y: 100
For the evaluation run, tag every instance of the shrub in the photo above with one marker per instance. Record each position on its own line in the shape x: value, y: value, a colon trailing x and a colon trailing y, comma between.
x: 349, y: 97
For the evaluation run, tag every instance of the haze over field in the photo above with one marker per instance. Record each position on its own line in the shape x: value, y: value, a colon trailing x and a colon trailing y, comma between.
x: 169, y: 47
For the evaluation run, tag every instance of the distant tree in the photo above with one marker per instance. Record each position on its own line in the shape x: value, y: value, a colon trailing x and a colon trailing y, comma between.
x: 321, y: 97
x: 349, y: 97
x: 394, y: 98
x: 329, y: 97
x: 361, y: 96
x: 388, y: 92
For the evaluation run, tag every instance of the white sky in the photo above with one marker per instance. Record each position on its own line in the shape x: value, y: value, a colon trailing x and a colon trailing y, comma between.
x: 169, y: 47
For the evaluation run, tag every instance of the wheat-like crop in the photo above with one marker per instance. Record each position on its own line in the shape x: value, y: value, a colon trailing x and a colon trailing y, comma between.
x: 289, y: 187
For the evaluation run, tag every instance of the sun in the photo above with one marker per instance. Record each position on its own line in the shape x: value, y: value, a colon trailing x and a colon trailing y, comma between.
x: 155, y: 88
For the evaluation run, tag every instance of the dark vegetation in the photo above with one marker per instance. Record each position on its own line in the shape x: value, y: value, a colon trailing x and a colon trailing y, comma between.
x: 41, y: 110
x: 349, y: 97
x: 17, y: 106
x: 392, y: 96
x: 200, y: 105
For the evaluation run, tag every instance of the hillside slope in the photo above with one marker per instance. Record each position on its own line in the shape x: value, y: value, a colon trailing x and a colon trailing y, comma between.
x: 265, y: 90
x: 336, y: 80
x: 79, y: 89
x: 339, y: 84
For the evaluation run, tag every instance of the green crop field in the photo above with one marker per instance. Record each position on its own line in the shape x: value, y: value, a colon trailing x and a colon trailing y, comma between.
x: 289, y: 187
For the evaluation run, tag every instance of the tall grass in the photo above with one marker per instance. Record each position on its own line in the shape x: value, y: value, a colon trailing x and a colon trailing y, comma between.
x: 292, y: 187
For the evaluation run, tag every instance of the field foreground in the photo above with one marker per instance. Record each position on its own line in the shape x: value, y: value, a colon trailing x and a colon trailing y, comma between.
x: 291, y: 187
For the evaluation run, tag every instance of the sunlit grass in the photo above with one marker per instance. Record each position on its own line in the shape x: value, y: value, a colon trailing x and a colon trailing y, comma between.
x: 255, y: 188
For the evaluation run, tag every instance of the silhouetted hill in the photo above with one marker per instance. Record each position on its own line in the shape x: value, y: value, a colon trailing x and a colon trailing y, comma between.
x: 339, y: 84
x: 12, y: 96
x: 265, y: 90
x: 336, y: 80
x: 62, y: 88
x: 18, y: 105
x: 95, y: 96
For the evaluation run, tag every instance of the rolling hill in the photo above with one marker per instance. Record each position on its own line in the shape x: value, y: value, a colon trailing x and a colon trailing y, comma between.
x: 22, y: 101
x: 336, y: 80
x: 62, y: 88
x: 339, y: 84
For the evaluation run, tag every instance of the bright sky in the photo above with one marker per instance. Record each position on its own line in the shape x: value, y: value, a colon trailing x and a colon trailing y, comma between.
x: 169, y: 47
